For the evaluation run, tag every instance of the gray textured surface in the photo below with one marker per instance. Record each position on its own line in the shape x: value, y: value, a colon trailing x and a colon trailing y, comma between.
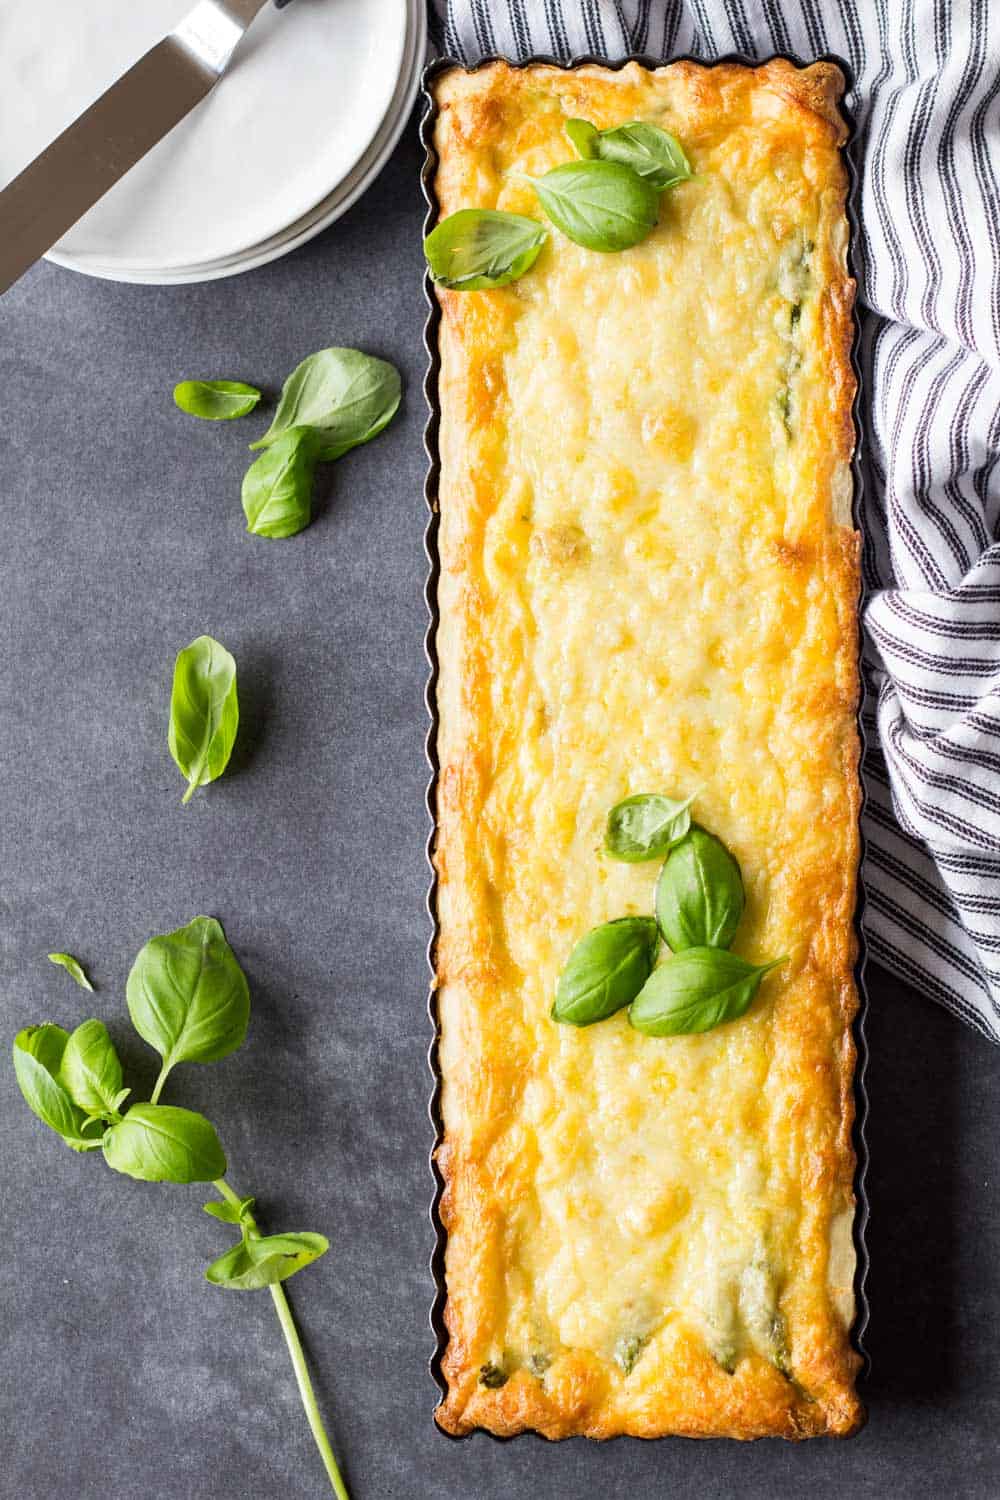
x: 121, y: 1371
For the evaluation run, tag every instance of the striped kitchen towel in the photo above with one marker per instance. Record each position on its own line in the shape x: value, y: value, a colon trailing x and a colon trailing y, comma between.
x: 926, y: 97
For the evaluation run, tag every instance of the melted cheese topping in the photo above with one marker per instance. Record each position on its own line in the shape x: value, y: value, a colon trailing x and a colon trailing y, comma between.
x: 648, y: 583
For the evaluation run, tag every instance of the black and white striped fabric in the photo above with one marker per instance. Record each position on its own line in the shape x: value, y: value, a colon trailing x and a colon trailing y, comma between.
x: 927, y: 101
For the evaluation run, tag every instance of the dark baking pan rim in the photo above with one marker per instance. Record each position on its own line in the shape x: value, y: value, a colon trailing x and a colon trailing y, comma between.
x: 431, y: 73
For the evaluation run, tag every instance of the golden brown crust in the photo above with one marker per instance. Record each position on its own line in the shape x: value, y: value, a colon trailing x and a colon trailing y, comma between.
x: 513, y: 553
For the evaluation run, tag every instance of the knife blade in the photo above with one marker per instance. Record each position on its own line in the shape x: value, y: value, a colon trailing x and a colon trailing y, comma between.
x: 80, y: 166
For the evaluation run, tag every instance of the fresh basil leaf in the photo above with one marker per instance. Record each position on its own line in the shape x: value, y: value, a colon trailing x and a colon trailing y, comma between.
x: 277, y: 488
x: 161, y: 1143
x: 38, y: 1057
x: 695, y: 991
x: 204, y: 712
x: 699, y: 895
x: 262, y: 1260
x: 584, y: 137
x: 606, y: 970
x: 230, y: 1213
x: 73, y: 967
x: 646, y: 826
x: 653, y: 153
x: 91, y: 1070
x: 479, y: 248
x: 187, y: 995
x: 345, y: 397
x: 216, y: 400
x: 601, y: 205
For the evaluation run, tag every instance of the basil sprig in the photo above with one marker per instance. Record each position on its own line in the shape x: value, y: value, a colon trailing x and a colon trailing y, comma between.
x: 277, y: 488
x: 344, y: 397
x: 188, y: 997
x: 699, y: 895
x: 476, y: 249
x: 602, y: 205
x: 695, y: 991
x: 216, y: 400
x: 606, y: 970
x: 204, y: 712
x: 646, y: 826
x: 74, y: 968
x: 653, y: 153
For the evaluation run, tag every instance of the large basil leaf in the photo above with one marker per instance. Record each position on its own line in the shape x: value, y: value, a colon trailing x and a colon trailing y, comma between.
x: 74, y: 968
x: 646, y: 826
x: 478, y: 248
x: 345, y: 397
x: 38, y: 1057
x: 216, y: 400
x: 91, y: 1069
x: 261, y: 1260
x: 204, y: 712
x: 160, y: 1143
x: 188, y: 996
x: 606, y: 970
x: 699, y: 895
x: 601, y: 205
x: 584, y: 137
x: 277, y: 488
x: 695, y: 991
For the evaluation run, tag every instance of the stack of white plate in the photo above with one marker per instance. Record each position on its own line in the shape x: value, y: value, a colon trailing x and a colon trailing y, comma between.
x: 305, y: 118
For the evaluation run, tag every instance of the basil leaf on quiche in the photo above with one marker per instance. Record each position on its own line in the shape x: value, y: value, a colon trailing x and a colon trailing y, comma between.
x: 653, y: 153
x: 602, y: 205
x: 479, y: 248
x: 697, y: 990
x: 646, y: 826
x: 606, y: 970
x: 699, y: 895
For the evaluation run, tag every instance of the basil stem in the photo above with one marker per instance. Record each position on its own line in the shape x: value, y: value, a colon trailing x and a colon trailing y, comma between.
x: 298, y: 1358
x: 476, y: 249
x: 646, y: 826
x: 601, y: 205
x: 699, y: 894
x: 697, y: 990
x: 606, y: 970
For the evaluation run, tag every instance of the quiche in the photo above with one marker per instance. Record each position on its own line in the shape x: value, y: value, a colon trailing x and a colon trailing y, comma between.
x: 648, y: 582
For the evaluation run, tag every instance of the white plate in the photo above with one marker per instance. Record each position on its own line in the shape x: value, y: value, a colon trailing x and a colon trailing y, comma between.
x: 323, y: 214
x: 301, y: 103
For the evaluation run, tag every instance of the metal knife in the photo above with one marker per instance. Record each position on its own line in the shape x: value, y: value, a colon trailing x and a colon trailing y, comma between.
x: 156, y: 93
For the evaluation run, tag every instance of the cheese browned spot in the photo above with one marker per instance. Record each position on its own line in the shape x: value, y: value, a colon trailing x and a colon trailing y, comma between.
x: 648, y: 583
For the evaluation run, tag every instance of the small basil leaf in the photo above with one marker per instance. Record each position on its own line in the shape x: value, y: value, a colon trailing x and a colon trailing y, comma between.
x: 695, y: 991
x: 91, y: 1070
x: 345, y: 397
x: 479, y: 248
x: 653, y: 153
x: 606, y: 970
x: 646, y: 826
x: 216, y: 400
x: 584, y: 137
x: 261, y: 1260
x: 38, y: 1057
x: 187, y: 995
x: 73, y: 967
x: 161, y: 1143
x: 699, y: 895
x: 601, y: 205
x: 227, y: 1212
x: 204, y: 712
x: 277, y: 488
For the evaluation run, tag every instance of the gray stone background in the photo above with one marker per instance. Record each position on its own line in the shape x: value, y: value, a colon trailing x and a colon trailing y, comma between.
x: 122, y: 1372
